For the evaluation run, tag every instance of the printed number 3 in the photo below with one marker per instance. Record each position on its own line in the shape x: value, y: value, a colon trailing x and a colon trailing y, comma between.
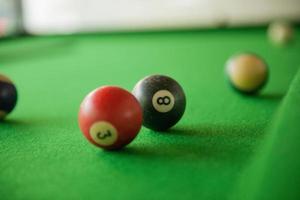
x: 104, y: 135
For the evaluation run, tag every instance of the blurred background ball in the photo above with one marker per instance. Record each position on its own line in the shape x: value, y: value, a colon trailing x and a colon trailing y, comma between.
x: 280, y: 33
x: 247, y: 72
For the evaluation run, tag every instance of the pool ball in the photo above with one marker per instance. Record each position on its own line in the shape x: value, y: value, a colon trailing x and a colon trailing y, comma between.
x: 110, y: 117
x: 162, y: 99
x: 280, y: 33
x: 247, y: 73
x: 8, y: 96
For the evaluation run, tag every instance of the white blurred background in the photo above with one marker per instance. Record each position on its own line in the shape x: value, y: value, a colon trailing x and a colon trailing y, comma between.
x: 68, y: 16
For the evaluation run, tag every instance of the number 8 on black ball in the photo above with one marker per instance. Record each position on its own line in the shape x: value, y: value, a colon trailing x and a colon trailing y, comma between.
x: 162, y: 99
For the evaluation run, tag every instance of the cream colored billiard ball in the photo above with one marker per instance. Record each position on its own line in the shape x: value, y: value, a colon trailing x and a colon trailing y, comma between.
x: 280, y: 33
x: 247, y: 72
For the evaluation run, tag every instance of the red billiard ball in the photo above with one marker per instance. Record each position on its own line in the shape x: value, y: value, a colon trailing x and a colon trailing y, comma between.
x: 110, y: 117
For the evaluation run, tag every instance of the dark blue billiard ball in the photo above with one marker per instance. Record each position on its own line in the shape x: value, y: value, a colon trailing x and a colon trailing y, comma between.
x: 8, y: 96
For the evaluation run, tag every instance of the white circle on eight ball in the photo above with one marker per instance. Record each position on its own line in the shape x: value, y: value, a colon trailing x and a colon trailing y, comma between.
x: 103, y: 133
x: 163, y: 101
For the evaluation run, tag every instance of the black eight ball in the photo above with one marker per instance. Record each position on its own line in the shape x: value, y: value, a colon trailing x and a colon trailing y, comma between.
x: 162, y: 99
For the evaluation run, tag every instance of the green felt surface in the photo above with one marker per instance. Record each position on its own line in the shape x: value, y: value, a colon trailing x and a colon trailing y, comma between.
x: 274, y: 172
x: 44, y: 155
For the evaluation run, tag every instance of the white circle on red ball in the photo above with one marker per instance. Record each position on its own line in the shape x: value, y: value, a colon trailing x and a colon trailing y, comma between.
x: 103, y: 133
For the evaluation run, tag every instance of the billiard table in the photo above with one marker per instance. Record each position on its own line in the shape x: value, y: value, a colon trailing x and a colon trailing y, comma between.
x: 226, y: 146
